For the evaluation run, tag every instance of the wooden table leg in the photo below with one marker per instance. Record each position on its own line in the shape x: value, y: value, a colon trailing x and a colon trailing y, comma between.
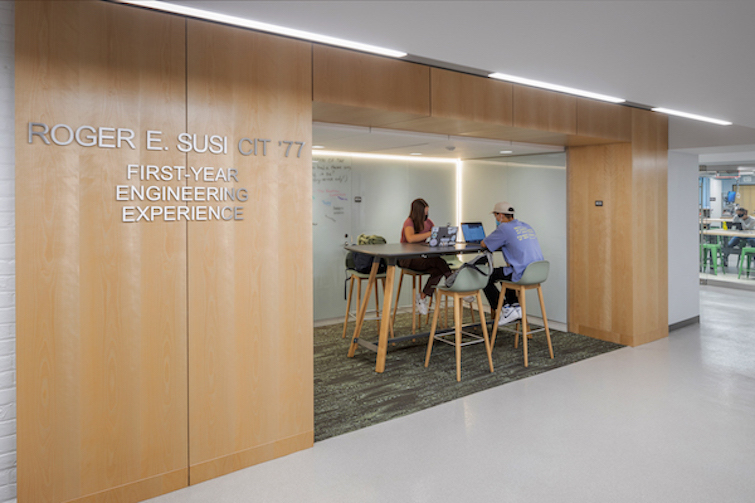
x: 363, y: 309
x: 383, y: 338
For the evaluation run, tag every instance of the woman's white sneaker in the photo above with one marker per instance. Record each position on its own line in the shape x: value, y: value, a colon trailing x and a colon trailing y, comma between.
x: 421, y: 304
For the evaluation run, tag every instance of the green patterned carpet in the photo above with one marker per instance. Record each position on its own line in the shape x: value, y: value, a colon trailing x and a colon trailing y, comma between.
x: 350, y: 395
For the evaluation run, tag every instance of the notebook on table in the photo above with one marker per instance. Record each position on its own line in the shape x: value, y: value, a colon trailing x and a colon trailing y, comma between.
x: 473, y: 232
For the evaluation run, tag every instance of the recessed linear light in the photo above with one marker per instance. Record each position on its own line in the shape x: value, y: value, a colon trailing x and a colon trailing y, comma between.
x: 555, y: 87
x: 387, y: 157
x: 415, y: 153
x: 318, y: 146
x: 506, y: 152
x: 691, y: 116
x: 257, y: 25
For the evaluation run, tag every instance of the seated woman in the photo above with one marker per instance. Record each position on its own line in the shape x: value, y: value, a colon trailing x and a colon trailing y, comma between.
x: 416, y: 229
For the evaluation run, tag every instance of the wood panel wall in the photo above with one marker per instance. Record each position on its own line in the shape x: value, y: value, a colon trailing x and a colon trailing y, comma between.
x: 618, y: 269
x: 366, y: 90
x: 747, y: 198
x: 650, y: 224
x: 101, y: 304
x: 155, y: 354
x: 250, y: 282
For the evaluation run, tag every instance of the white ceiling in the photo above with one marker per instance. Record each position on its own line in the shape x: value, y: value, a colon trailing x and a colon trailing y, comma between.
x: 689, y: 55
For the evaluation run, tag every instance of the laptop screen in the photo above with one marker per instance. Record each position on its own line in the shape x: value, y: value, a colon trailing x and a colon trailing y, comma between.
x: 473, y: 232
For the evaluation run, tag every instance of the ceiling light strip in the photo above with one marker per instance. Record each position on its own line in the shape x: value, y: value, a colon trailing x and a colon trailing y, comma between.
x: 387, y: 157
x: 691, y: 116
x: 256, y: 25
x: 555, y: 87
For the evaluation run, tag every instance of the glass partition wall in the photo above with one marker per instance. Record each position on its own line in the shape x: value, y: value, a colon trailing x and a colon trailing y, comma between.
x: 722, y: 242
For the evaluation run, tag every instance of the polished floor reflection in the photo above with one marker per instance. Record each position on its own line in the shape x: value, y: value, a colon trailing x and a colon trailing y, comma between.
x: 673, y: 420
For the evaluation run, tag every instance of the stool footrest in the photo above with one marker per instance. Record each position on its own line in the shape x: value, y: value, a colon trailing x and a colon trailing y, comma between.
x: 476, y: 339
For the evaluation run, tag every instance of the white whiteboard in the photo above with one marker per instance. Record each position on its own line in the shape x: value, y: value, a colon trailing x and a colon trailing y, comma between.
x: 331, y: 221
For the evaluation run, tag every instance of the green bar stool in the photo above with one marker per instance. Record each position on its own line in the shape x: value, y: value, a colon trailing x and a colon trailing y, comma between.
x: 747, y: 254
x: 715, y: 253
x: 467, y: 282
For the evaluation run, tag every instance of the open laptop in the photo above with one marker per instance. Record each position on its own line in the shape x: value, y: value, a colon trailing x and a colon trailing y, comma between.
x: 442, y: 236
x: 473, y: 232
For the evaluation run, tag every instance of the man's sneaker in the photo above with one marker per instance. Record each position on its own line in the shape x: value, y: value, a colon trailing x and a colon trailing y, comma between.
x: 421, y: 304
x: 510, y: 313
x: 470, y: 298
x: 514, y: 314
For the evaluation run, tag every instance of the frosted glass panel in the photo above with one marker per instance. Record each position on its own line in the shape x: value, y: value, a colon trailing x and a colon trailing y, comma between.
x: 536, y: 187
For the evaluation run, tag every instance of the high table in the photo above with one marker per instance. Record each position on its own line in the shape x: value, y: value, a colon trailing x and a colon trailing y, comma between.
x: 392, y: 253
x: 733, y: 233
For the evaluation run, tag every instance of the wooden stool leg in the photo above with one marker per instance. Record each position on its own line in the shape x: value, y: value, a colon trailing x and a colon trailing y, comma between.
x: 525, y: 328
x: 445, y: 311
x: 432, y: 334
x: 429, y: 307
x: 497, y: 316
x: 471, y: 312
x: 359, y: 293
x: 398, y: 296
x: 457, y: 331
x: 348, y: 306
x: 390, y: 319
x: 488, y: 347
x: 377, y: 305
x: 516, y: 337
x: 545, y: 319
x: 361, y: 313
x: 414, y: 304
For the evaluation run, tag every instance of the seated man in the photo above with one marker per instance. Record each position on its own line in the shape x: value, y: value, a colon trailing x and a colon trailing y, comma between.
x: 748, y: 224
x: 518, y: 243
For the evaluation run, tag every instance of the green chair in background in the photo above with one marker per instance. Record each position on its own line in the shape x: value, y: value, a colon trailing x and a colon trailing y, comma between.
x: 746, y: 255
x: 714, y: 251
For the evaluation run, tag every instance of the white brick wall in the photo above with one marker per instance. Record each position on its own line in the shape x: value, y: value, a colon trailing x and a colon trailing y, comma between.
x: 7, y: 259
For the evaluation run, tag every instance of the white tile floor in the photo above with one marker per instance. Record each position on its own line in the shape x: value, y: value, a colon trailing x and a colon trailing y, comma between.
x: 670, y: 421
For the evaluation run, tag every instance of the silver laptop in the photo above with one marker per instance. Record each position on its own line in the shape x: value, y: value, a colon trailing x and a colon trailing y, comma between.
x: 443, y: 235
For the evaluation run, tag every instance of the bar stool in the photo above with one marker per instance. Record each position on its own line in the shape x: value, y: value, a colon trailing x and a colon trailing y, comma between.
x: 416, y: 285
x: 716, y: 257
x: 534, y: 275
x: 746, y: 255
x: 354, y: 276
x: 467, y: 282
x: 454, y: 264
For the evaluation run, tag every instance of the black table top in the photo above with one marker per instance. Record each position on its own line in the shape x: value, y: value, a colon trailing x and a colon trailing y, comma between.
x: 412, y: 250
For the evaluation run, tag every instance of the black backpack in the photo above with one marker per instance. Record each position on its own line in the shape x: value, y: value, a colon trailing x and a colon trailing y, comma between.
x: 363, y: 262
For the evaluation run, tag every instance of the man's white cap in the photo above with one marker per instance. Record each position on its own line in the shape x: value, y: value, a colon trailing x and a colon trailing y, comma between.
x: 503, y: 207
